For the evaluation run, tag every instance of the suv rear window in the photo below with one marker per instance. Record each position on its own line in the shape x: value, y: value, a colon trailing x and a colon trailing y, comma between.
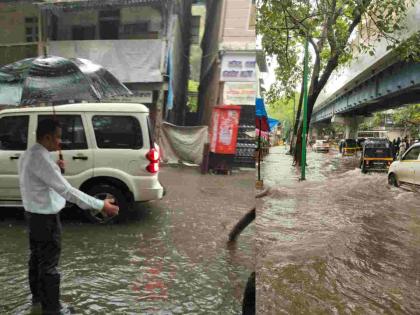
x: 117, y: 132
x: 14, y: 133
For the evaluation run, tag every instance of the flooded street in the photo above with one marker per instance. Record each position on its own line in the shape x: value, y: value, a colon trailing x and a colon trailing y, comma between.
x: 169, y: 258
x: 339, y: 243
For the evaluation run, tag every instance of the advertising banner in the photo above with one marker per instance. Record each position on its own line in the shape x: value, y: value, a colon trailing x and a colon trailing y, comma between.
x: 239, y: 93
x: 224, y: 129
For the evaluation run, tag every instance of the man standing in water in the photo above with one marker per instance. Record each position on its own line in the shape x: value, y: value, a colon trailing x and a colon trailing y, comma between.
x: 44, y: 193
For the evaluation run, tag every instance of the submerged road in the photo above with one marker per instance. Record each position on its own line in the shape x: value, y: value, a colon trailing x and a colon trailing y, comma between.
x: 341, y: 242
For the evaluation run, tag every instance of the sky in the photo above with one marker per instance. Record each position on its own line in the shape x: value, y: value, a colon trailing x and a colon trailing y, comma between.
x: 268, y: 77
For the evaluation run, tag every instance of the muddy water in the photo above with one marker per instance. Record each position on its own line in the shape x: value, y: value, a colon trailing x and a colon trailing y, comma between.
x: 163, y: 261
x: 340, y: 243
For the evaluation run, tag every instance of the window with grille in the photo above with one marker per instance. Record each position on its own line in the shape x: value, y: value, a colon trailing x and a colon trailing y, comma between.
x: 31, y: 29
x: 135, y: 28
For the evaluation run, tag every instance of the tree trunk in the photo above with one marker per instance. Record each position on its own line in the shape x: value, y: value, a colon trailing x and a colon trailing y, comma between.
x: 297, y: 120
x: 298, y: 148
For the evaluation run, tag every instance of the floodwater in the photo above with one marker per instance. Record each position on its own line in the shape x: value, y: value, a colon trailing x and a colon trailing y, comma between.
x: 341, y: 242
x: 169, y: 258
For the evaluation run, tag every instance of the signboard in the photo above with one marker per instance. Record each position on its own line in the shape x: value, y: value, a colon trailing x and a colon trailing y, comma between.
x: 239, y: 67
x: 144, y: 96
x: 239, y: 93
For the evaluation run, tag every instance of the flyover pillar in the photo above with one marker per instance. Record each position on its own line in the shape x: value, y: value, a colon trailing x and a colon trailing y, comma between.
x: 317, y: 131
x: 351, y: 126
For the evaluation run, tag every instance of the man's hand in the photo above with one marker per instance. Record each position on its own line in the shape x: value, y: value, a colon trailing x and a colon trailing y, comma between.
x: 109, y: 208
x: 61, y: 164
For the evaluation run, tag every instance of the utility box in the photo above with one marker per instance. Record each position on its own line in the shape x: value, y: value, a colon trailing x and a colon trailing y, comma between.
x: 224, y: 129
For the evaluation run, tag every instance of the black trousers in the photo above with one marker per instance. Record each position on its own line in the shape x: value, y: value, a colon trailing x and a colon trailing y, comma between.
x: 45, y: 249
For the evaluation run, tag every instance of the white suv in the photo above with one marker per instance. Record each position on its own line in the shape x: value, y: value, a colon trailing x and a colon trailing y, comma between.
x: 407, y: 169
x: 108, y: 150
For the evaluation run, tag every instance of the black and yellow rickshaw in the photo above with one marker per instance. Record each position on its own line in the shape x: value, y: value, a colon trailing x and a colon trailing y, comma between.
x: 377, y: 155
x: 348, y: 147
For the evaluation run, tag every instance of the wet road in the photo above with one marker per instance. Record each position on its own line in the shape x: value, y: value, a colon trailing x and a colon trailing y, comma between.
x: 339, y: 243
x: 170, y: 258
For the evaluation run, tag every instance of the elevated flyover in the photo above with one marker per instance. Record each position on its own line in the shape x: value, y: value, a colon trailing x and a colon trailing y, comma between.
x: 371, y: 83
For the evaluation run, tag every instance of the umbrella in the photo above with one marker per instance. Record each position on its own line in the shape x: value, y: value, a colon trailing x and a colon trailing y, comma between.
x: 56, y: 80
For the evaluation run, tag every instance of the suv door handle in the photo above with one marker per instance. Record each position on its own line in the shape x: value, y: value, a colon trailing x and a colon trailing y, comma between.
x: 15, y: 157
x: 80, y: 157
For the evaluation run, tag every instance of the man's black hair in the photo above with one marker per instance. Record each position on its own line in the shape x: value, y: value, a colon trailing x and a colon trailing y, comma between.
x: 46, y: 126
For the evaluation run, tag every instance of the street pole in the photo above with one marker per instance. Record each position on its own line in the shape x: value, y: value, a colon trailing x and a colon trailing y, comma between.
x: 305, y: 110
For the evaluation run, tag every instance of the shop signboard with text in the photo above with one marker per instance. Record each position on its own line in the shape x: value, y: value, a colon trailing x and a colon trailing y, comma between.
x: 238, y: 68
x: 239, y: 93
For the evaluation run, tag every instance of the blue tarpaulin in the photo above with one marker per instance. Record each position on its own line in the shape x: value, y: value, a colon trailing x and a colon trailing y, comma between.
x: 261, y: 115
x: 272, y: 123
x: 260, y: 108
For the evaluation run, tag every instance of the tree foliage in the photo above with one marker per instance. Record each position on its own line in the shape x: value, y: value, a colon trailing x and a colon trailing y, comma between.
x: 330, y: 27
x: 406, y: 118
x: 283, y: 109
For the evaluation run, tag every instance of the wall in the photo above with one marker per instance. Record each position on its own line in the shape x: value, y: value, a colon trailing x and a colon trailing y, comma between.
x: 12, y: 20
x: 237, y: 26
x: 91, y: 17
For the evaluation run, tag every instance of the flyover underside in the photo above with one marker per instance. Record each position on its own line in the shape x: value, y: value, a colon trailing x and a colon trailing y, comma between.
x: 396, y: 86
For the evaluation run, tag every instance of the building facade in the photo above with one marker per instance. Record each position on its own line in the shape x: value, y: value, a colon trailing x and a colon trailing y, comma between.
x: 231, y: 67
x: 144, y: 43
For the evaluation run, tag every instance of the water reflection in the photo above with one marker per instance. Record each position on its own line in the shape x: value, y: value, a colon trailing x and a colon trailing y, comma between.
x: 136, y: 267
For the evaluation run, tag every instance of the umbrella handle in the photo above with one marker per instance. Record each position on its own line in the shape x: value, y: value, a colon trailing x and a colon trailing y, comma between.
x: 60, y: 156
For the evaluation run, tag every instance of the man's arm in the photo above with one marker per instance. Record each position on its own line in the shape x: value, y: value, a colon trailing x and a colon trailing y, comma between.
x: 50, y: 175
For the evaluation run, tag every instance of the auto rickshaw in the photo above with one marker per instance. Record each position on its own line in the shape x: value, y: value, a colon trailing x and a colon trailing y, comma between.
x: 377, y: 155
x: 348, y: 147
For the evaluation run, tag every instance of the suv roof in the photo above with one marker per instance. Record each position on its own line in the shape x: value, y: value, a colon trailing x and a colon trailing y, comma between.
x: 83, y: 107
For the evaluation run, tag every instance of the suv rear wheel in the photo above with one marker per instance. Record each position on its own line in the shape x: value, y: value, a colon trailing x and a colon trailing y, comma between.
x: 103, y: 191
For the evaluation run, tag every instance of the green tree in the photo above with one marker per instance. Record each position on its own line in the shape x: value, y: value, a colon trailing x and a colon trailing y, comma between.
x: 283, y: 109
x: 329, y: 26
x: 408, y: 118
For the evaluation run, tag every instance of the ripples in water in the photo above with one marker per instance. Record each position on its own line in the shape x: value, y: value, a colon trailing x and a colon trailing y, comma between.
x: 125, y: 269
x: 347, y: 244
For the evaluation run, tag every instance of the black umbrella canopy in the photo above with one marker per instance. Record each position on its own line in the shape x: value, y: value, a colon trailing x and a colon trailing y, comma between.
x: 56, y: 80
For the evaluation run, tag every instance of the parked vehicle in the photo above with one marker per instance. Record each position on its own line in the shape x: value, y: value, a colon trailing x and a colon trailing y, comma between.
x: 359, y: 142
x: 321, y: 146
x: 348, y: 147
x: 108, y: 149
x: 406, y: 170
x: 377, y: 155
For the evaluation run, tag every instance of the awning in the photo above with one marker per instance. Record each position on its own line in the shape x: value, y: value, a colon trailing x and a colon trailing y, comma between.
x: 272, y: 123
x: 261, y: 115
x: 260, y: 108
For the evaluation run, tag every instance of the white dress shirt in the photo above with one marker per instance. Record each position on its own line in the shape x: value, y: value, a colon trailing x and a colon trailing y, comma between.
x: 44, y: 190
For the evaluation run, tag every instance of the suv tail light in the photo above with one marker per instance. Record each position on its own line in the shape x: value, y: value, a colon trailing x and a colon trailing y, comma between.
x: 153, y: 157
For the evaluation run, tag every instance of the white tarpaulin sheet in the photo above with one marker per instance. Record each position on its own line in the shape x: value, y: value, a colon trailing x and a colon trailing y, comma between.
x: 128, y: 60
x: 183, y: 144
